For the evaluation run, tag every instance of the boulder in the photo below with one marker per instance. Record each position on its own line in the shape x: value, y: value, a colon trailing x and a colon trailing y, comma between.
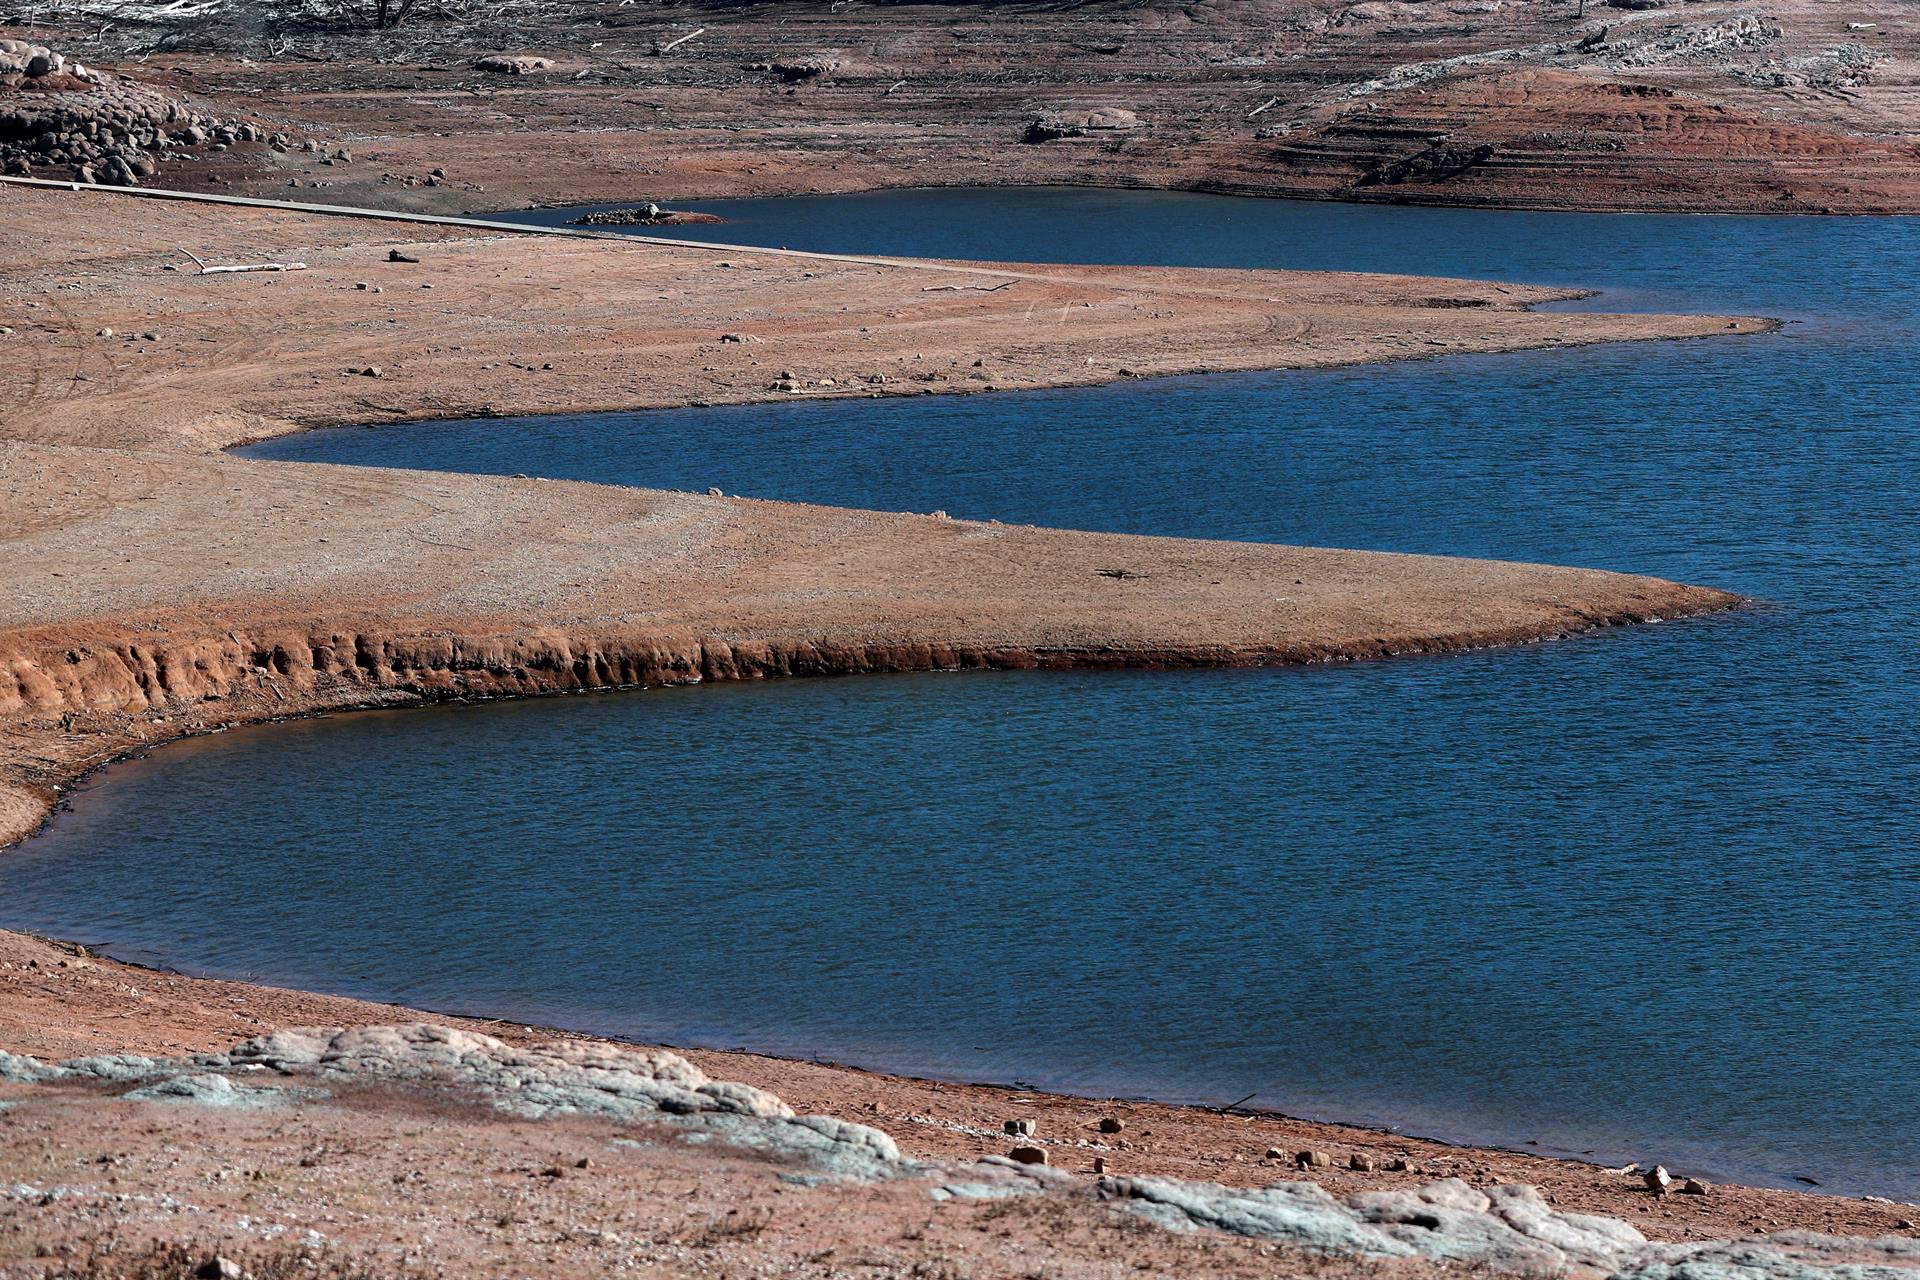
x: 512, y: 64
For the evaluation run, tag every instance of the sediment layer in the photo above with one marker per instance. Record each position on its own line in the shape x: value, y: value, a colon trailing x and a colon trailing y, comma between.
x: 1793, y: 106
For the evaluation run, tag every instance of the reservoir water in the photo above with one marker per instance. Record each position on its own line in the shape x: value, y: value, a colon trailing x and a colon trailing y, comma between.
x: 1654, y: 894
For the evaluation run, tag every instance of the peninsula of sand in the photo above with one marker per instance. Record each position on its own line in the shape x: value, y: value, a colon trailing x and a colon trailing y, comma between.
x: 153, y: 586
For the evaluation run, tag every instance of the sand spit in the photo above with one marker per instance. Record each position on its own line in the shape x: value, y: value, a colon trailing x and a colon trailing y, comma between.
x: 153, y: 586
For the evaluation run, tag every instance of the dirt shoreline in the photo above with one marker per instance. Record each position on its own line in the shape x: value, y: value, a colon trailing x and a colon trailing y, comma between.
x: 59, y: 1001
x: 156, y: 587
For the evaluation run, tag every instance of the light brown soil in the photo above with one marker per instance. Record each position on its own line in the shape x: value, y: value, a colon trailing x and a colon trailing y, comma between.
x: 461, y: 1172
x: 1548, y: 103
x: 153, y: 587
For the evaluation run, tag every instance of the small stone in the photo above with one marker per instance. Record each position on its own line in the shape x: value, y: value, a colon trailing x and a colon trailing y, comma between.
x: 714, y: 492
x: 1099, y: 1164
x: 1360, y: 1163
x: 371, y: 371
x: 1400, y: 1164
x: 1111, y: 1124
x: 584, y: 1162
x: 219, y: 1269
x: 1027, y: 1155
x: 1313, y: 1159
x: 104, y: 333
x: 1275, y: 1153
x: 553, y: 1171
x: 1693, y: 1187
x: 1657, y: 1179
x: 361, y: 285
x: 1021, y: 1128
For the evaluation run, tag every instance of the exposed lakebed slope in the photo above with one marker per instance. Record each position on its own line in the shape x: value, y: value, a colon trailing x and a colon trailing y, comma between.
x: 1590, y: 856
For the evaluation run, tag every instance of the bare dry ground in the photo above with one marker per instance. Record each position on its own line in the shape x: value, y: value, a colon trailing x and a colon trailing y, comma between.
x: 425, y: 1176
x: 1790, y: 106
x: 153, y: 586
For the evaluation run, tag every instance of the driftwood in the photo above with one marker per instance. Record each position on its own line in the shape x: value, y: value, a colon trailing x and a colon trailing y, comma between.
x: 206, y: 270
x: 969, y: 288
x: 672, y: 45
x: 1269, y: 103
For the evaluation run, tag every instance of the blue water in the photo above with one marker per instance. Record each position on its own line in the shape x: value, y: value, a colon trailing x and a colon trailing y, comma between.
x: 1645, y: 895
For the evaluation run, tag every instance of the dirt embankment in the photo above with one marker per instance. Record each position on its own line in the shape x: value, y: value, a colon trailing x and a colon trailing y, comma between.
x: 1728, y: 105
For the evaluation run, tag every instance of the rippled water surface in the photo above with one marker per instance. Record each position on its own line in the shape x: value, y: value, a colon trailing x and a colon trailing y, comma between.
x: 1648, y: 894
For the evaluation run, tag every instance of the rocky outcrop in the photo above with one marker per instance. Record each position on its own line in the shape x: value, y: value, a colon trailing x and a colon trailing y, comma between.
x: 59, y: 119
x: 512, y: 64
x: 1501, y: 1229
x: 563, y: 1078
x: 1508, y: 1228
x: 568, y: 1077
x: 1051, y: 125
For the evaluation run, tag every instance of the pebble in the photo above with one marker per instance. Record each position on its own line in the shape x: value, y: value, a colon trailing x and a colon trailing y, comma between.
x: 1027, y: 1155
x: 1313, y: 1159
x: 1111, y: 1124
x: 1657, y: 1179
x: 1693, y: 1187
x: 1360, y: 1163
x: 1023, y: 1128
x: 714, y: 492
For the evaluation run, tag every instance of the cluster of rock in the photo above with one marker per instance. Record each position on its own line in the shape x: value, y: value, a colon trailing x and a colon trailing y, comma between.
x: 793, y: 70
x: 646, y: 213
x: 1742, y: 31
x: 23, y: 60
x: 512, y: 64
x: 59, y: 119
x: 1049, y: 126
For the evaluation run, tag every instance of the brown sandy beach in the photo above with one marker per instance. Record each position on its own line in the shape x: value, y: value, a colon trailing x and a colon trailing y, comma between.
x: 153, y: 586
